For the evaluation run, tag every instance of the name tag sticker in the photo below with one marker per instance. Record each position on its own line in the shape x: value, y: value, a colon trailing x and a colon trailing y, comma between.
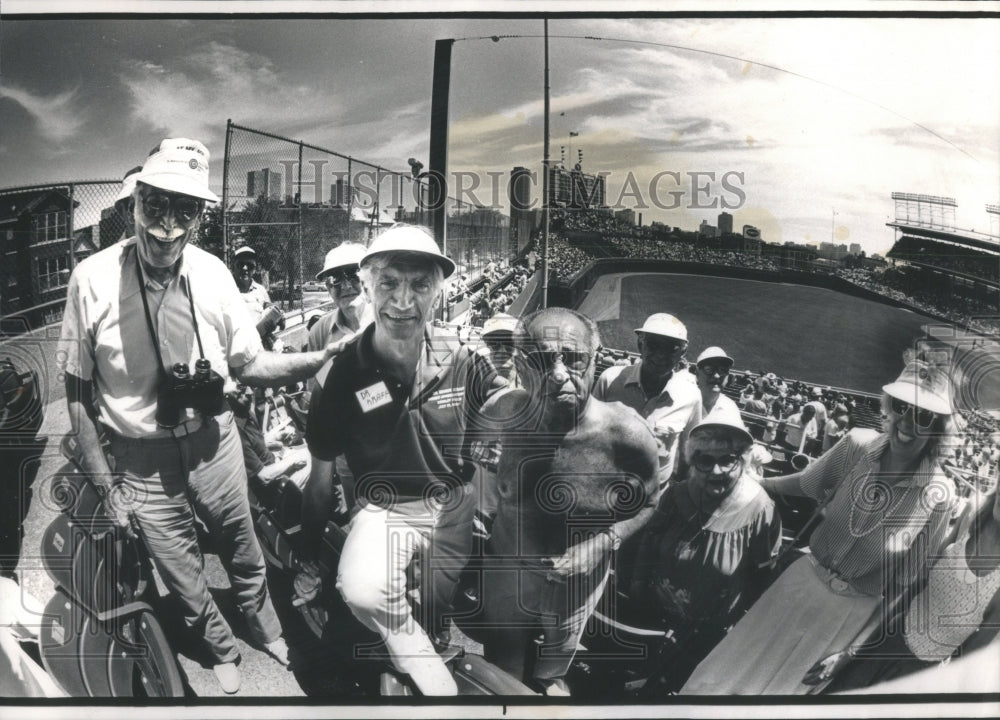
x: 374, y: 396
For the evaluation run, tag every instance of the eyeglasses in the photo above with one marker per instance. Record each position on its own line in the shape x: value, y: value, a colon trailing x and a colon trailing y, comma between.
x: 246, y: 265
x: 339, y: 277
x: 707, y: 463
x: 923, y: 418
x: 185, y: 207
x: 573, y: 360
x: 714, y: 368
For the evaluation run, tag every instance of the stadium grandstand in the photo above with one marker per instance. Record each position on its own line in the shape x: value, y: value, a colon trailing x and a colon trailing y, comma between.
x: 947, y: 263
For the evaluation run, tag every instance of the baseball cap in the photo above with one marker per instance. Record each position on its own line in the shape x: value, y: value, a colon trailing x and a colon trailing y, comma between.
x: 713, y: 353
x: 178, y: 165
x: 347, y: 254
x: 409, y: 238
x: 246, y: 252
x: 664, y: 324
x: 128, y: 184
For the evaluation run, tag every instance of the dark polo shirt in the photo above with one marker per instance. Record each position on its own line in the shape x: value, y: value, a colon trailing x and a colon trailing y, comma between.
x: 401, y: 444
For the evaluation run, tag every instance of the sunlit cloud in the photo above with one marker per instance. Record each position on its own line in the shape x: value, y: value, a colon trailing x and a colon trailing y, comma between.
x: 199, y: 91
x: 58, y: 117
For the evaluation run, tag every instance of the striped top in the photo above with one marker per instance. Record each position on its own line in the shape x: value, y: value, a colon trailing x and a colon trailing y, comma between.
x: 876, y: 528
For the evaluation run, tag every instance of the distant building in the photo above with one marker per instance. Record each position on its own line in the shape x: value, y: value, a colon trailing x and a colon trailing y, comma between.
x: 707, y: 231
x: 829, y: 251
x: 575, y: 189
x: 264, y: 183
x: 626, y: 216
x: 725, y: 223
x: 36, y: 250
x: 854, y: 249
x: 340, y: 192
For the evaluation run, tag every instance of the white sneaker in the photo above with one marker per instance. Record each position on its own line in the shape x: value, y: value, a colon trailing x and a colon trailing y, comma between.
x: 228, y: 676
x: 278, y: 649
x: 558, y: 688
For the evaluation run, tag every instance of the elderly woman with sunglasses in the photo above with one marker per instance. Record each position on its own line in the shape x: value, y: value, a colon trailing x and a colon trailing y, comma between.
x: 704, y: 556
x: 886, y: 505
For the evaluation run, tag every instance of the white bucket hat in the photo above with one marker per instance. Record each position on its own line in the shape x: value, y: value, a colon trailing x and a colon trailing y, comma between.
x: 724, y: 416
x: 713, y: 353
x: 347, y: 254
x: 409, y: 238
x: 924, y: 385
x: 179, y: 165
x: 666, y: 325
x: 500, y: 324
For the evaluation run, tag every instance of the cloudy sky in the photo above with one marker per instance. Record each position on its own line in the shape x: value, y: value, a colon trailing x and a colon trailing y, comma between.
x: 809, y: 116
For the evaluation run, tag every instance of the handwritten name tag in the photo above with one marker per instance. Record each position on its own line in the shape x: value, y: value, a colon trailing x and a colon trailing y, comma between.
x: 373, y: 396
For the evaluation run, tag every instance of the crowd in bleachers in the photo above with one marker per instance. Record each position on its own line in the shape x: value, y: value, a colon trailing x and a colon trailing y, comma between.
x: 950, y: 257
x: 501, y: 287
x: 621, y: 239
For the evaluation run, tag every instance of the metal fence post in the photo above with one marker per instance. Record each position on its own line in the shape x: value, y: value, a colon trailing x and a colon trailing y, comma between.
x: 350, y: 198
x: 225, y: 195
x: 69, y: 229
x: 298, y: 233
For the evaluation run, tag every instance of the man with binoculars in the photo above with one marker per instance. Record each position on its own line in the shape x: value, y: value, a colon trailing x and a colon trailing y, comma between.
x: 152, y: 333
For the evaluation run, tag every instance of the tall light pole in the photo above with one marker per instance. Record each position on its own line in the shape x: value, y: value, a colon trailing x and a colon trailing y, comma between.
x: 545, y: 181
x: 833, y: 219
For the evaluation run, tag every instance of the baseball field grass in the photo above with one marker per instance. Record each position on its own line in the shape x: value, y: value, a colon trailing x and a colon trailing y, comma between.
x: 796, y: 331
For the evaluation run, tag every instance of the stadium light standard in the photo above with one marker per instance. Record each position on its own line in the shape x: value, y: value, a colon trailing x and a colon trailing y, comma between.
x: 545, y: 181
x: 438, y: 157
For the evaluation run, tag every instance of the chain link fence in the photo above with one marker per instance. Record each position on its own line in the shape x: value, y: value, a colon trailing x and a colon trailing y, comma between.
x: 46, y: 231
x: 292, y: 202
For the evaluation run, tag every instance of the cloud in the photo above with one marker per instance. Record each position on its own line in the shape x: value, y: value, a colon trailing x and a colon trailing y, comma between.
x: 58, y: 116
x: 200, y: 90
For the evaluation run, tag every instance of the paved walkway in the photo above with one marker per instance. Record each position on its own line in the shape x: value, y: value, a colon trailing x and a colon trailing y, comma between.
x: 261, y: 675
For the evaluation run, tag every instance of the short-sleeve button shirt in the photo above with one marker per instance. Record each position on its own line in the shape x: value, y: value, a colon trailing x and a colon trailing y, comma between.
x: 400, y: 445
x: 257, y: 299
x: 670, y: 414
x: 331, y: 328
x: 105, y: 337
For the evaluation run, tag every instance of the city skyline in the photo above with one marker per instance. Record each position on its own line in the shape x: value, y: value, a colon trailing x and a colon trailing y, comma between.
x: 806, y: 116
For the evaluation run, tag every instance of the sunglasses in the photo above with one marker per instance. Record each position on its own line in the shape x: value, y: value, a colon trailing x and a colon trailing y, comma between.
x: 656, y: 343
x: 707, y: 463
x: 185, y: 208
x: 500, y: 344
x: 714, y: 369
x: 923, y: 418
x: 339, y: 277
x: 573, y: 360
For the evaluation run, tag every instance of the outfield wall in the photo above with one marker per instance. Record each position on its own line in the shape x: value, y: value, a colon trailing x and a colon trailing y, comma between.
x: 571, y: 293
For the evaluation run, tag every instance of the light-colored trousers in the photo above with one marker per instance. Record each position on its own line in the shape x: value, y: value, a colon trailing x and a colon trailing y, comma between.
x: 372, y: 578
x: 169, y: 480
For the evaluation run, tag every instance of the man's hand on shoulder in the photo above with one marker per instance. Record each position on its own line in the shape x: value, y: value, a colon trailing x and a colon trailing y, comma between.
x: 335, y: 347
